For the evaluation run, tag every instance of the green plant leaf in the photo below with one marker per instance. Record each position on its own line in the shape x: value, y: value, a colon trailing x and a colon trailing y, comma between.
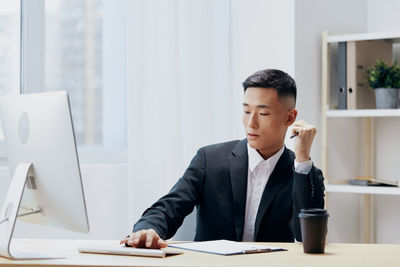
x: 383, y: 76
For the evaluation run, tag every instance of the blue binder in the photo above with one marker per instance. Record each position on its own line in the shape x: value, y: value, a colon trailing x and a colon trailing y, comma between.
x: 342, y: 76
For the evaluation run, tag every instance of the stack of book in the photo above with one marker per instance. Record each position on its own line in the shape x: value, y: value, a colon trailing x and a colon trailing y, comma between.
x: 369, y: 181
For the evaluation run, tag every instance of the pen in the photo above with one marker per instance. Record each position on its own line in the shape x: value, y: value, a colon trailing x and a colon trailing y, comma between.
x: 294, y: 135
x: 260, y: 250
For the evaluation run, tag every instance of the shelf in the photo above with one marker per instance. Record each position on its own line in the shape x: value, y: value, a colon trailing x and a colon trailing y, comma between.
x: 370, y: 128
x: 348, y: 113
x: 389, y: 36
x: 355, y: 189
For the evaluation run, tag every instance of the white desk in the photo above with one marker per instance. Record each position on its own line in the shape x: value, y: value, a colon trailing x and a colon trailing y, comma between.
x: 337, y: 255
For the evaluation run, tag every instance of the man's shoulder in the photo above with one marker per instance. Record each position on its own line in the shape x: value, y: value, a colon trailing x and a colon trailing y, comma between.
x: 222, y: 148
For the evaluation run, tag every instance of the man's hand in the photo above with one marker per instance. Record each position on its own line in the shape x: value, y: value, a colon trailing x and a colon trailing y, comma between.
x: 144, y: 239
x: 305, y: 137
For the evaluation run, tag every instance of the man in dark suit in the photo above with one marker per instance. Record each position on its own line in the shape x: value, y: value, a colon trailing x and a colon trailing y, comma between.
x: 248, y: 190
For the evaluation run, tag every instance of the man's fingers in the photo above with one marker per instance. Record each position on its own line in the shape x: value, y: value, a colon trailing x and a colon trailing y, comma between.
x: 161, y: 243
x: 157, y: 242
x: 138, y: 238
x: 297, y: 130
x: 144, y: 238
x: 149, y: 238
x: 153, y: 240
x: 301, y: 130
x: 303, y: 124
x: 128, y: 240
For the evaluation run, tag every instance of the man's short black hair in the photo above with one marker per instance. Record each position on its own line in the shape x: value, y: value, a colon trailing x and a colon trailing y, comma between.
x: 272, y: 78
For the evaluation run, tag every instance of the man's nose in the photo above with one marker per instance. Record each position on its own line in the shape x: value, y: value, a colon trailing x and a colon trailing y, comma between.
x: 252, y: 123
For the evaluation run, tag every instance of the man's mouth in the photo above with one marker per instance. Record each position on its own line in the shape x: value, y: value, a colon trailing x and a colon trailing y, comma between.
x: 252, y: 136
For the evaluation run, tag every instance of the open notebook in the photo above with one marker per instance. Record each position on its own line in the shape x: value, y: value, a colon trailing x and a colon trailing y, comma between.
x: 225, y: 247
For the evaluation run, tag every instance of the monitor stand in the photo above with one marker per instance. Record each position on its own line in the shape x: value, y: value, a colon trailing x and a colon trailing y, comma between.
x: 9, y: 214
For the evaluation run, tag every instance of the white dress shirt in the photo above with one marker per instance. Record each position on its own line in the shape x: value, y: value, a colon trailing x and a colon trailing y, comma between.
x: 259, y: 172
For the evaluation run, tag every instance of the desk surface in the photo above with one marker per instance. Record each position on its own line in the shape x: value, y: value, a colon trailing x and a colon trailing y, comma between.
x: 336, y: 255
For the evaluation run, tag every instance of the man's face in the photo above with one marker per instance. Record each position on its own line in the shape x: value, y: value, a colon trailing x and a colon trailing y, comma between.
x: 266, y: 118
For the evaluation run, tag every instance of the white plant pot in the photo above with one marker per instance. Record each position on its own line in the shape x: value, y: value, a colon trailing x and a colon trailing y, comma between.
x: 387, y: 98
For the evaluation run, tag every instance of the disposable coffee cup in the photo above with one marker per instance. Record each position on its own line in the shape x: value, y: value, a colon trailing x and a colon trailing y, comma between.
x: 313, y: 223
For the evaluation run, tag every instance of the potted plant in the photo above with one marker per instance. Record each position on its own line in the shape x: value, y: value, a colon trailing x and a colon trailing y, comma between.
x: 385, y: 80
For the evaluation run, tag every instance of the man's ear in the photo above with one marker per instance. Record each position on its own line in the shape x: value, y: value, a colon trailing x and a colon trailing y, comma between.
x: 291, y: 117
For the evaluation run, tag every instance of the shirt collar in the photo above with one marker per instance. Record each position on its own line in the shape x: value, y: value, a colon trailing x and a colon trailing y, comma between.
x: 255, y: 158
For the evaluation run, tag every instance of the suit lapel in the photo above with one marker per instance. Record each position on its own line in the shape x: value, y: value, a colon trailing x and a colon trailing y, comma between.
x: 238, y: 165
x: 279, y: 177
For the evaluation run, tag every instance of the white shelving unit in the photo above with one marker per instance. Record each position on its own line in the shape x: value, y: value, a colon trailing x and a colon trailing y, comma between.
x: 372, y: 113
x: 355, y: 189
x: 358, y: 126
x: 388, y: 36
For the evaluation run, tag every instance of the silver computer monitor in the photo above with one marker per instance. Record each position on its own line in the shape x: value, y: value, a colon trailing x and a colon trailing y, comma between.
x: 41, y: 152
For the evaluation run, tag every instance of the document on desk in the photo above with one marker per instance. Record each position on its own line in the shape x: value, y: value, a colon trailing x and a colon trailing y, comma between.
x: 225, y: 247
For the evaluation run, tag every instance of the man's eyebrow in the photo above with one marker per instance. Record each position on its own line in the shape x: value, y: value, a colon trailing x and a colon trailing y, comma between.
x: 258, y: 106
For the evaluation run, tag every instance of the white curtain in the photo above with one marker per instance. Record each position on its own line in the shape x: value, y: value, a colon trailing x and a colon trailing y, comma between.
x: 179, y: 92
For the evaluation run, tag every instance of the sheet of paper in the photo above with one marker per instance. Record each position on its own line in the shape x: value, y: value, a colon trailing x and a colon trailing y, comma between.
x: 224, y: 247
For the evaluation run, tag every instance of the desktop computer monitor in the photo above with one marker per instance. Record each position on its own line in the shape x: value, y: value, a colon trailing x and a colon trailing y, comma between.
x: 46, y: 186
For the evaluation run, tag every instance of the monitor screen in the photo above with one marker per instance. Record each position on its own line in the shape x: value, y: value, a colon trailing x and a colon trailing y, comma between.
x: 38, y: 129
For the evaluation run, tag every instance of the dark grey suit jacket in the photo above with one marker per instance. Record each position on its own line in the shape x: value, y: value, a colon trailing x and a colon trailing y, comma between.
x: 216, y: 183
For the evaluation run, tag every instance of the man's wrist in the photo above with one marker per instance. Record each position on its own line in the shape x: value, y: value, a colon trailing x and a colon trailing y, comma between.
x: 301, y: 159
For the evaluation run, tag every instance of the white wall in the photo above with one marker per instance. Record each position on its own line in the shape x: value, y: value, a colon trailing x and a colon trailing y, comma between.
x: 262, y: 37
x: 383, y: 15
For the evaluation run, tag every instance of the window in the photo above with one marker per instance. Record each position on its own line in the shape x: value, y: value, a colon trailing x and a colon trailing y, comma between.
x: 9, y: 52
x: 73, y: 62
x: 79, y: 46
